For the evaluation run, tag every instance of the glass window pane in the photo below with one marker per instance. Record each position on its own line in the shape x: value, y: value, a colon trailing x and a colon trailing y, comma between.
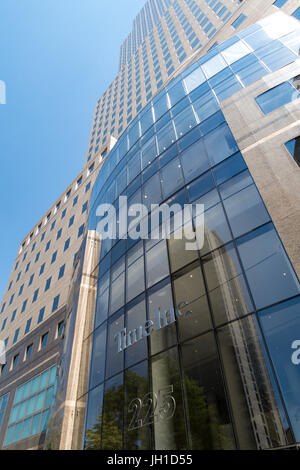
x: 134, y: 167
x: 171, y: 178
x: 165, y: 137
x: 51, y: 380
x: 281, y: 326
x: 221, y: 266
x: 133, y: 134
x: 30, y: 406
x: 102, y: 300
x: 245, y: 211
x: 137, y: 428
x: 152, y: 191
x: 206, y: 106
x: 236, y: 52
x: 98, y: 356
x: 49, y: 397
x: 184, y: 121
x: 214, y: 65
x: 269, y: 272
x: 9, y: 435
x: 231, y: 167
x: 26, y: 393
x: 194, y: 161
x: 258, y: 39
x: 17, y: 432
x: 292, y: 41
x: 176, y: 93
x: 136, y: 342
x: 216, y: 230
x: 112, y: 429
x: 191, y: 301
x: 44, y: 420
x: 160, y: 298
x: 200, y: 186
x: 35, y: 424
x: 169, y: 426
x: 179, y: 256
x: 115, y: 359
x: 117, y: 291
x: 227, y: 88
x: 39, y: 404
x: 93, y: 425
x: 135, y: 283
x: 210, y: 426
x: 157, y: 265
x: 195, y: 79
x: 19, y: 393
x: 278, y: 58
x: 44, y: 380
x: 121, y: 182
x: 251, y: 388
x: 26, y: 428
x: 149, y: 152
x: 14, y: 414
x: 220, y: 144
x: 252, y: 72
x: 22, y: 410
x: 146, y: 119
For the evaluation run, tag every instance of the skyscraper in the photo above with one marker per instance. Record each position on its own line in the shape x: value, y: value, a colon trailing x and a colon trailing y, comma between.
x: 204, y: 109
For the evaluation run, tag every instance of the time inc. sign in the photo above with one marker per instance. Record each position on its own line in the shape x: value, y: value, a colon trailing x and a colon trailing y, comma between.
x: 127, y: 338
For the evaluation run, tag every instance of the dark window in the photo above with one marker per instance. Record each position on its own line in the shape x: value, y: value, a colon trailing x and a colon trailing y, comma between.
x: 41, y: 315
x: 53, y: 259
x: 293, y: 147
x: 42, y: 269
x: 238, y: 21
x: 279, y: 3
x: 67, y: 244
x: 71, y: 221
x: 28, y: 325
x: 296, y: 14
x: 15, y: 361
x: 48, y: 283
x: 61, y: 271
x: 55, y: 303
x: 81, y: 230
x: 29, y: 351
x: 35, y: 296
x: 44, y: 340
x: 60, y: 328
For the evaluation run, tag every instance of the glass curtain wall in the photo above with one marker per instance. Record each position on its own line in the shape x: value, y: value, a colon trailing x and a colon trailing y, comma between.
x: 186, y: 351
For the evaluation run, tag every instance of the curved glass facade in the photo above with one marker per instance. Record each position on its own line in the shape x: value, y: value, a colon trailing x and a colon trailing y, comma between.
x: 184, y: 344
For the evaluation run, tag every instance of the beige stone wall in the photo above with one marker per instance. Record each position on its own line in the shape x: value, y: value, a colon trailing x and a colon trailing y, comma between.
x: 58, y: 286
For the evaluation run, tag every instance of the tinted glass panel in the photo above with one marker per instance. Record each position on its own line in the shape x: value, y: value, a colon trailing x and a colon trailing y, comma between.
x: 270, y: 275
x: 210, y: 425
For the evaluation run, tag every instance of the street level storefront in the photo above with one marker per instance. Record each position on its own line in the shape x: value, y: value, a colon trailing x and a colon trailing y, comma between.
x: 197, y: 349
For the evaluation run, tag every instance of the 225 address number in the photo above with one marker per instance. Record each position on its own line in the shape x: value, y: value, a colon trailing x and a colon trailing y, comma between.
x: 151, y: 408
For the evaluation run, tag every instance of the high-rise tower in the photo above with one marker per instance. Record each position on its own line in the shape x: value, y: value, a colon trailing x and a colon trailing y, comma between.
x: 204, y: 108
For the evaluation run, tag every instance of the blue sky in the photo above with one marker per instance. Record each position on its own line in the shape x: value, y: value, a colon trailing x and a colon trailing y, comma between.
x: 56, y: 57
